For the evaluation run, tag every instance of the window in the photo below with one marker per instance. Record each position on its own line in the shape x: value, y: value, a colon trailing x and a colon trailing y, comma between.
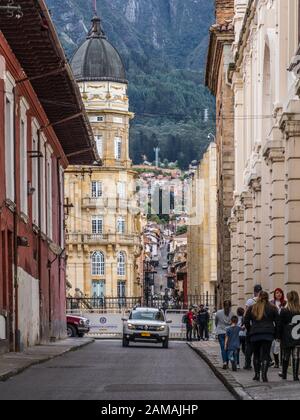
x: 35, y: 183
x: 23, y: 168
x: 121, y: 225
x: 121, y: 268
x: 118, y: 148
x: 96, y: 118
x: 98, y: 264
x: 97, y: 225
x: 43, y: 169
x: 9, y: 150
x: 121, y: 189
x: 97, y: 189
x: 99, y: 143
x: 49, y: 193
x: 122, y: 293
x: 98, y: 289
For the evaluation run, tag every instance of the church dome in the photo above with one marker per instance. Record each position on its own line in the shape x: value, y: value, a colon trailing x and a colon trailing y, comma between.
x: 96, y: 59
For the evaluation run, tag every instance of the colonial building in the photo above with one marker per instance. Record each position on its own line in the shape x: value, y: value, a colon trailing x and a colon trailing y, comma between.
x: 202, y: 230
x: 219, y: 59
x: 38, y: 139
x: 103, y: 224
x: 265, y: 75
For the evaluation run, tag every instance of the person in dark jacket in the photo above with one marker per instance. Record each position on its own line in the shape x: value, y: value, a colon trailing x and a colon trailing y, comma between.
x: 291, y: 347
x: 203, y: 323
x: 262, y: 323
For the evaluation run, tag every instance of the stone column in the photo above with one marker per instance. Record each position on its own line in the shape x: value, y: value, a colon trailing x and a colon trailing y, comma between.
x: 256, y: 194
x: 234, y: 261
x: 274, y: 155
x: 292, y: 211
x: 247, y: 202
x: 241, y: 255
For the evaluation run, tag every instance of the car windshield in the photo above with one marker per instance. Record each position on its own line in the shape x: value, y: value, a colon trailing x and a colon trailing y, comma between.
x: 147, y: 316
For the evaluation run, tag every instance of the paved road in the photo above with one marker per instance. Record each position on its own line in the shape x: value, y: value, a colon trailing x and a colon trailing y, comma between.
x: 106, y: 371
x: 161, y: 282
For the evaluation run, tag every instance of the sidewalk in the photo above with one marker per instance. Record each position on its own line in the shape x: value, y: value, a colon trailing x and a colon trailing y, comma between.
x: 241, y: 383
x: 12, y: 364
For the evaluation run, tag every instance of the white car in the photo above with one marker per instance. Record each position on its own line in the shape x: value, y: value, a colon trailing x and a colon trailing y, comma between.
x: 146, y: 325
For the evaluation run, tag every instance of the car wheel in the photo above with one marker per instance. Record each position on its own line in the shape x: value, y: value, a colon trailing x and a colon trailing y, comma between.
x: 71, y: 330
x: 166, y: 344
x: 125, y: 342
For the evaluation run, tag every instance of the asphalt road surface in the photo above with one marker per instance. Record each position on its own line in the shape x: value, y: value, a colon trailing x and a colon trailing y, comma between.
x: 106, y: 371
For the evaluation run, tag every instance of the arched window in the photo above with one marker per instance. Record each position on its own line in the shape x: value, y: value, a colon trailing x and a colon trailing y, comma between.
x: 121, y: 264
x: 98, y: 264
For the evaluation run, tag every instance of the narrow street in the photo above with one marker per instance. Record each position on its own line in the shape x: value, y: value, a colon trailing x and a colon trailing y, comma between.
x: 161, y: 282
x: 106, y: 371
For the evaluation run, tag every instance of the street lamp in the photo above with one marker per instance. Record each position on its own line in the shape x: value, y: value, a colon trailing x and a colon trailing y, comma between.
x: 12, y: 9
x: 149, y: 274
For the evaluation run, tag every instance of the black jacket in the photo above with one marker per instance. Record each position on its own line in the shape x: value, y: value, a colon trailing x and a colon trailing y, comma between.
x: 202, y: 317
x: 285, y: 330
x: 269, y: 325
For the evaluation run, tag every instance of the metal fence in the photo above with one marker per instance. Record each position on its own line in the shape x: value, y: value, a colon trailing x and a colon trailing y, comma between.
x: 127, y: 303
x: 102, y: 304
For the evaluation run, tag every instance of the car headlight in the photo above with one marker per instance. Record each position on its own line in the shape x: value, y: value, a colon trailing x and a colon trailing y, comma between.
x: 162, y: 328
x: 130, y: 327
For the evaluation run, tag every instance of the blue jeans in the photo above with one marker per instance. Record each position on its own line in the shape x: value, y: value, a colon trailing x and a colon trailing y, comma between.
x: 222, y: 345
x: 233, y: 356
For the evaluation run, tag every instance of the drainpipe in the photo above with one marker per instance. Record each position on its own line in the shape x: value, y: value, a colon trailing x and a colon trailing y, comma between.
x: 17, y: 343
x: 60, y: 226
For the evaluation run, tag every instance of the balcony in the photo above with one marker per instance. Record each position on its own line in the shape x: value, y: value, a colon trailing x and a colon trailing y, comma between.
x: 105, y: 239
x: 94, y: 203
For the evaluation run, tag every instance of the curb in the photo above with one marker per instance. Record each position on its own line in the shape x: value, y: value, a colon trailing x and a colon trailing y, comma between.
x: 17, y: 371
x: 236, y: 389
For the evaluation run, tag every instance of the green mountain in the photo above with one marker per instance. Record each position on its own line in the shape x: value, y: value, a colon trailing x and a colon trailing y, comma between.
x: 163, y: 44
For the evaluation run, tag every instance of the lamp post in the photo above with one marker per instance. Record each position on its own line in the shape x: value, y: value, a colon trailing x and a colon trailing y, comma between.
x: 12, y: 9
x: 149, y: 274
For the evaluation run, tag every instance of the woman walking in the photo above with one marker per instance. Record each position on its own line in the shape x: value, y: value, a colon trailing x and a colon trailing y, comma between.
x: 291, y: 347
x: 280, y: 303
x: 262, y: 323
x: 223, y: 321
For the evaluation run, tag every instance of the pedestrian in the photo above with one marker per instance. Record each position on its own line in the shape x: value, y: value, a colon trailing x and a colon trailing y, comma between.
x: 249, y: 348
x: 241, y: 324
x: 262, y: 323
x: 233, y: 343
x: 222, y: 322
x: 188, y: 320
x: 280, y: 303
x: 290, y: 345
x: 203, y: 323
x: 195, y: 327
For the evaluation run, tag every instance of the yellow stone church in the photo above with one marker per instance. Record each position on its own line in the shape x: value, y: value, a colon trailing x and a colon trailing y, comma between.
x: 103, y: 222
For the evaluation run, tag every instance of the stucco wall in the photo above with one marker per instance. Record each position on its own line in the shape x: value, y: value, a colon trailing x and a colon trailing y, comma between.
x: 29, y: 318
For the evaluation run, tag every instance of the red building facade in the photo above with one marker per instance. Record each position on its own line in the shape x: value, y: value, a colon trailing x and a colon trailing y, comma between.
x: 39, y: 136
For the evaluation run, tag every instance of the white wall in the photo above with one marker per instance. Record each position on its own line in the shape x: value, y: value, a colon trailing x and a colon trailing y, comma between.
x: 2, y: 328
x: 29, y: 316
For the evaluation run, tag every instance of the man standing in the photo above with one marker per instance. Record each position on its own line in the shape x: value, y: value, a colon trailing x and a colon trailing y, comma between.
x: 203, y: 323
x: 249, y: 348
x: 189, y: 319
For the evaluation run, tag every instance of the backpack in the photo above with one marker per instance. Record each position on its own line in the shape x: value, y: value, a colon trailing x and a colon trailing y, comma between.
x: 185, y: 319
